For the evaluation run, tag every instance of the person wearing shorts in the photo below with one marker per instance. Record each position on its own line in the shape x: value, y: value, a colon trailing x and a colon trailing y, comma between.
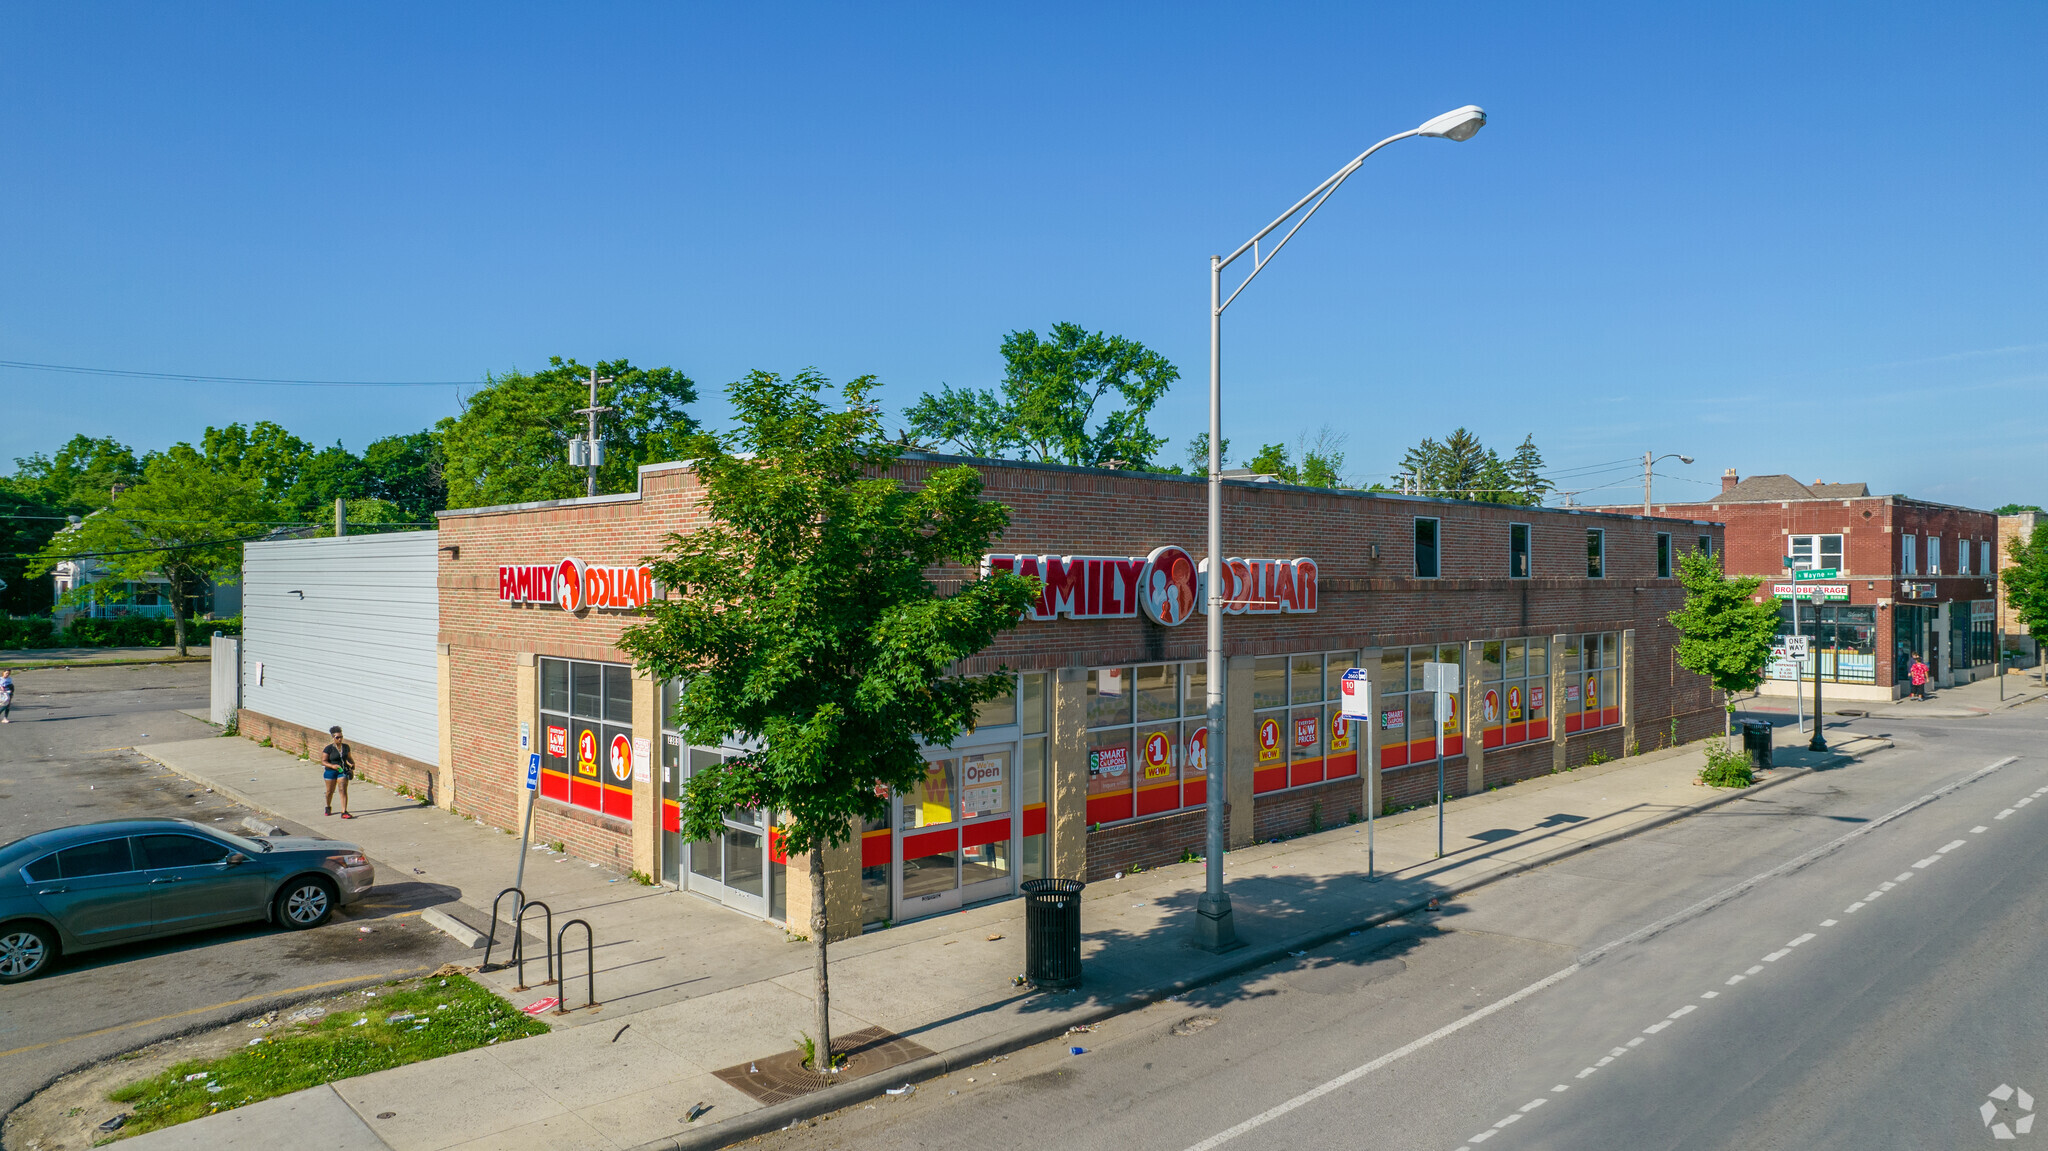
x: 339, y: 767
x: 6, y: 697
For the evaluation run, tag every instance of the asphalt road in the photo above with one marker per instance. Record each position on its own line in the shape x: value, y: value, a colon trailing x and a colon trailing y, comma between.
x: 1850, y: 960
x: 67, y: 758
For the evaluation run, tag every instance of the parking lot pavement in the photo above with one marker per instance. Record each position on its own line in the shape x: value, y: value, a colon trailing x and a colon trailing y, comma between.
x: 68, y: 759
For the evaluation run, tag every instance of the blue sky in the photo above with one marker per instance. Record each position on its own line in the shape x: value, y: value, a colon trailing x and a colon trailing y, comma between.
x: 1803, y: 238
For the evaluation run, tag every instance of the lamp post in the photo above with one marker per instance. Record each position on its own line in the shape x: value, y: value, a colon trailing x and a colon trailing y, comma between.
x: 1215, y: 930
x: 1647, y: 461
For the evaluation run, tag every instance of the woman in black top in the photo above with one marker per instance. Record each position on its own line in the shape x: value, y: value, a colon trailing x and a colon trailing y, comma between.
x: 340, y: 768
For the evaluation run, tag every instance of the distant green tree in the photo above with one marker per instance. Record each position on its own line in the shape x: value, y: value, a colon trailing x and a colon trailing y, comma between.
x: 1198, y: 453
x: 1525, y: 473
x: 185, y: 521
x: 265, y: 454
x: 2015, y: 509
x: 1462, y: 468
x: 78, y: 477
x: 1725, y: 634
x: 804, y: 624
x: 973, y: 420
x: 406, y: 470
x: 2026, y: 580
x: 511, y: 442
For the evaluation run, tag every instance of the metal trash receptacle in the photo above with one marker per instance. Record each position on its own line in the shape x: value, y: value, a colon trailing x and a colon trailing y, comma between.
x: 1052, y: 932
x: 1756, y: 740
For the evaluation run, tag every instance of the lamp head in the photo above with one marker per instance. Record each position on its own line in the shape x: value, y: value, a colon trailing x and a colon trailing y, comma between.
x: 1685, y: 459
x: 1457, y: 124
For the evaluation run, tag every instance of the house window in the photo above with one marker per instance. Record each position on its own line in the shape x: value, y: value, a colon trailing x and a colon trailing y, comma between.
x: 1426, y: 548
x: 1984, y: 557
x: 1596, y: 553
x: 1816, y: 552
x: 1705, y: 545
x: 1909, y: 555
x: 1663, y: 555
x: 1934, y: 555
x: 1518, y: 551
x: 1962, y: 557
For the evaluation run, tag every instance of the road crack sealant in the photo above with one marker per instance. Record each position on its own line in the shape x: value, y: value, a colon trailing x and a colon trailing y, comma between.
x: 1585, y: 960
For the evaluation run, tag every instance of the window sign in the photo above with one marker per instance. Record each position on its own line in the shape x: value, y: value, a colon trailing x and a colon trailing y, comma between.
x: 1269, y: 740
x: 586, y: 711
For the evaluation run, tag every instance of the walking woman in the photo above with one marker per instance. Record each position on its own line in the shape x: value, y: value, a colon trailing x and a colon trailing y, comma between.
x: 1918, y: 675
x: 340, y: 767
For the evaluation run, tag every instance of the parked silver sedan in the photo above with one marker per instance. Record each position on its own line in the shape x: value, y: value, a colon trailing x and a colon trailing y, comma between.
x: 97, y: 884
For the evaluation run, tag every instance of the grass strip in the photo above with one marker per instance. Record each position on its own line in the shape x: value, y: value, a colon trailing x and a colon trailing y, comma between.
x: 401, y: 1022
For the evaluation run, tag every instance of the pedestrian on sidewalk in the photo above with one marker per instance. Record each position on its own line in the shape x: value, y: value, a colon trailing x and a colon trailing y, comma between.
x: 6, y: 697
x: 1918, y: 675
x: 340, y: 767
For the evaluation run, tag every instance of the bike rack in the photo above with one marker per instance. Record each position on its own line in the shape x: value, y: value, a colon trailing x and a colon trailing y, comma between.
x: 589, y: 965
x: 517, y: 939
x: 519, y: 929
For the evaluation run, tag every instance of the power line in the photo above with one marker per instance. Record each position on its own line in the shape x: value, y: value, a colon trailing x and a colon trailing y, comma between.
x: 73, y: 369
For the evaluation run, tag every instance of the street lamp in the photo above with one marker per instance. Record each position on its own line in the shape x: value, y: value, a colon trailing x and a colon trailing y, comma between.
x: 1215, y: 929
x: 1647, y: 461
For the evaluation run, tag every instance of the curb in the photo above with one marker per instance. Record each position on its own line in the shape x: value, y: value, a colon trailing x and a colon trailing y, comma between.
x: 779, y: 1115
x: 11, y: 666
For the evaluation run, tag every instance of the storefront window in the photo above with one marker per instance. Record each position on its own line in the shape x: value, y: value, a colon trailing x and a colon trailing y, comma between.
x: 1032, y: 718
x: 1109, y: 697
x: 1298, y: 739
x: 1407, y: 718
x: 587, y: 745
x: 1148, y: 748
x: 1843, y: 638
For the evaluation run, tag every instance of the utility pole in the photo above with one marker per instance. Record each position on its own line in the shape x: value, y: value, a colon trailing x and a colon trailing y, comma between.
x: 340, y: 516
x: 592, y: 454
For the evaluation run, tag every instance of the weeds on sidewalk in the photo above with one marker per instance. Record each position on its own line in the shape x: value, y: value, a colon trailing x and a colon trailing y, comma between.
x: 404, y: 1022
x: 1727, y: 768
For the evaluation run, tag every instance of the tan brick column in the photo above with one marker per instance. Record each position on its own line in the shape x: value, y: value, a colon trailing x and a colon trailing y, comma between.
x: 1475, y: 718
x: 1558, y: 751
x: 646, y: 784
x: 1627, y: 678
x: 444, y: 771
x: 526, y: 702
x: 842, y: 891
x: 1066, y: 776
x: 1242, y: 739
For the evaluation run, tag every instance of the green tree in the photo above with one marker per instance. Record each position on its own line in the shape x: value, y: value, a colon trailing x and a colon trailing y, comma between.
x: 1198, y: 453
x: 971, y: 419
x: 2026, y: 580
x: 1525, y: 473
x: 406, y: 470
x: 511, y: 442
x: 1462, y: 468
x: 2015, y: 509
x: 265, y: 455
x: 185, y: 521
x: 1724, y: 633
x: 803, y: 622
x: 79, y: 477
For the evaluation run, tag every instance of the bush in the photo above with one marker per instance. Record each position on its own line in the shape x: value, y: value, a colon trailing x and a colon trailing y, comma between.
x: 1727, y: 768
x: 32, y: 632
x: 127, y: 631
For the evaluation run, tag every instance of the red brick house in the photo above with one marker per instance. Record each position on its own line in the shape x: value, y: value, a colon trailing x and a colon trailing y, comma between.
x: 1912, y: 577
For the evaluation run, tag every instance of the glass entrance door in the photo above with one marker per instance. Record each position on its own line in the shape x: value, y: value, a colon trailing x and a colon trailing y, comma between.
x: 733, y: 868
x: 956, y: 834
x: 671, y: 810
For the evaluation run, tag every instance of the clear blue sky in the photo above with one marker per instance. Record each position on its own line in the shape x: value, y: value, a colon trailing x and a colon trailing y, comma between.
x: 1803, y: 238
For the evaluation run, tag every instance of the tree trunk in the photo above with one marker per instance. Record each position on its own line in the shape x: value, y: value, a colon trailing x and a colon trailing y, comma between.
x: 178, y: 612
x: 823, y: 1060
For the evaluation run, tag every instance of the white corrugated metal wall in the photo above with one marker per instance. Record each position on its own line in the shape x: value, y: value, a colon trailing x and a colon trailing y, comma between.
x: 342, y: 631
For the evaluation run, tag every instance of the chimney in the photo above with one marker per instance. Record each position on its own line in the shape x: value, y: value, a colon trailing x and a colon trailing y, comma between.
x: 1728, y: 481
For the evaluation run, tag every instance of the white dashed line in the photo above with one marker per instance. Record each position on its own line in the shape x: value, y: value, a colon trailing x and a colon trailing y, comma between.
x: 1654, y: 1028
x: 1828, y: 922
x: 1979, y: 829
x: 1636, y: 1042
x: 1754, y: 970
x: 1887, y: 885
x: 1688, y: 1009
x: 1802, y: 939
x: 1483, y: 1136
x: 1853, y: 908
x: 1586, y: 1072
x: 1533, y: 1104
x: 1735, y: 979
x: 1561, y: 1087
x: 1515, y: 1117
x: 1780, y: 953
x: 1902, y: 877
x: 2023, y: 802
x: 2003, y: 814
x: 1930, y: 861
x: 1711, y: 995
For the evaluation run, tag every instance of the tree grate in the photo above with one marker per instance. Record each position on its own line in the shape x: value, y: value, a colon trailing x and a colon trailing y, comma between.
x: 774, y: 1078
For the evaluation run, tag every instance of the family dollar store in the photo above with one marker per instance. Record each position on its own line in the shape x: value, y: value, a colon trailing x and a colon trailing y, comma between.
x: 1098, y: 759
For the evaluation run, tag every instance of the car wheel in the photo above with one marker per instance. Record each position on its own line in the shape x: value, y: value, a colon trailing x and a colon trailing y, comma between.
x: 26, y: 951
x: 305, y: 903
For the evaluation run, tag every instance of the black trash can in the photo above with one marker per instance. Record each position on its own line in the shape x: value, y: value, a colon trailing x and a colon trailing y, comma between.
x: 1052, y: 932
x: 1756, y: 740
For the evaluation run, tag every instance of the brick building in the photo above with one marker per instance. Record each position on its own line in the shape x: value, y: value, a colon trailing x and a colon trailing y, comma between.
x: 1097, y: 761
x: 2019, y: 643
x: 1912, y: 577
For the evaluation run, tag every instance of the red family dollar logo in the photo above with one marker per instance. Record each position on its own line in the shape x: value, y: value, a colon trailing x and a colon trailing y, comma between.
x: 573, y: 585
x: 1169, y: 585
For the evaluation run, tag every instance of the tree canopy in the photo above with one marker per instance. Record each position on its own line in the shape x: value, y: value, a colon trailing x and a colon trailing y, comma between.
x: 511, y: 442
x: 1049, y: 404
x: 1725, y: 634
x: 2026, y: 579
x: 805, y: 625
x: 1462, y: 468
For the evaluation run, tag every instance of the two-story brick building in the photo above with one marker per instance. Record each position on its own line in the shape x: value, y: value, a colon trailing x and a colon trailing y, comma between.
x: 1098, y: 760
x: 1913, y: 577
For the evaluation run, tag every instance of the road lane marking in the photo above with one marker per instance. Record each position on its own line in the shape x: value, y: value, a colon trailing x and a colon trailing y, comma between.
x: 1654, y: 1028
x: 1829, y: 922
x: 1711, y: 995
x: 1951, y: 846
x: 1808, y: 937
x: 2003, y: 814
x: 1780, y: 953
x: 1555, y: 977
x: 1930, y: 861
x: 1365, y: 1069
x: 1754, y: 970
x: 1533, y: 1104
x: 398, y: 974
x: 1513, y: 1117
x: 1902, y: 877
x: 1688, y: 1009
x: 1979, y: 829
x: 2023, y: 802
x: 1586, y: 1072
x: 1561, y: 1087
x: 1853, y: 908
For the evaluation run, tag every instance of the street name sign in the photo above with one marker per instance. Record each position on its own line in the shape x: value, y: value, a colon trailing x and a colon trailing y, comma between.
x: 1816, y: 573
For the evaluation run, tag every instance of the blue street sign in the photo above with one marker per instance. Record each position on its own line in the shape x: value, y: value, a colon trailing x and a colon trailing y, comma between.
x: 533, y: 772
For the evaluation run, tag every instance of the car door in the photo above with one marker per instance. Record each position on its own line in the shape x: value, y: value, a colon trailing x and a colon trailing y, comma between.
x: 193, y: 883
x: 93, y: 891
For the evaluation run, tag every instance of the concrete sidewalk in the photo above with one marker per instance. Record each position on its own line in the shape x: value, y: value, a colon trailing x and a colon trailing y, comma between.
x: 943, y: 982
x: 19, y: 659
x: 1964, y: 702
